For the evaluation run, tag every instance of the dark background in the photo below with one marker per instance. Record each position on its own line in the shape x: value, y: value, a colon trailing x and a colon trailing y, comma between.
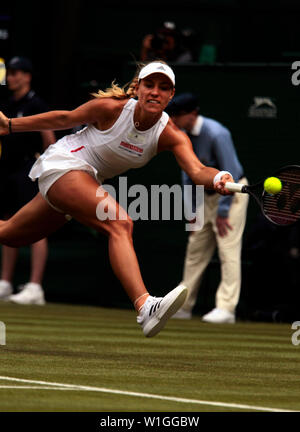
x: 77, y: 46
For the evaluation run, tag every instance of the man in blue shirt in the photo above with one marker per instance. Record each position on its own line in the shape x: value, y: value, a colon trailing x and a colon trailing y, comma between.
x: 224, y: 217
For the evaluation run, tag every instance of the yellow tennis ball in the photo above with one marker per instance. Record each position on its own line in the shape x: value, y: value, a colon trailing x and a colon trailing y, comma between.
x: 272, y: 185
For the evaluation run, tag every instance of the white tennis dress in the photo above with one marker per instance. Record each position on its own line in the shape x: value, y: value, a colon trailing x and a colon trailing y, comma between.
x: 104, y: 154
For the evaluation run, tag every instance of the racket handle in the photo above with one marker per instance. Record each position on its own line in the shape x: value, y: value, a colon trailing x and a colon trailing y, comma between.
x: 234, y: 187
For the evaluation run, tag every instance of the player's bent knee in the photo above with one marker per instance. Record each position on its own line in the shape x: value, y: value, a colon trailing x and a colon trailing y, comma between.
x: 121, y: 227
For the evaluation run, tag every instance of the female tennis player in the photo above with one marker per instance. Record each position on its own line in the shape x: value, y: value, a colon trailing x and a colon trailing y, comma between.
x: 121, y: 133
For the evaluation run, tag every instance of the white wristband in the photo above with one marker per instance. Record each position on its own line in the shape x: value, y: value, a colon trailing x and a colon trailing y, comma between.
x: 219, y: 175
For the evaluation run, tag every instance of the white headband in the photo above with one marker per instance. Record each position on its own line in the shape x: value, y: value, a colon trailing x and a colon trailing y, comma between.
x: 157, y: 67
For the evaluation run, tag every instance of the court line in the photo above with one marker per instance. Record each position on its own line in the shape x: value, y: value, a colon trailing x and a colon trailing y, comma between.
x: 61, y: 386
x: 40, y: 387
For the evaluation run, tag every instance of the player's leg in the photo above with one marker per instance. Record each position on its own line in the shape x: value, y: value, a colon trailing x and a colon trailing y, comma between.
x: 31, y: 223
x: 78, y: 194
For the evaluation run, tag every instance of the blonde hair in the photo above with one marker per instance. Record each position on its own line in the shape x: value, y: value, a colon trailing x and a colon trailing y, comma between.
x: 117, y: 92
x: 128, y: 90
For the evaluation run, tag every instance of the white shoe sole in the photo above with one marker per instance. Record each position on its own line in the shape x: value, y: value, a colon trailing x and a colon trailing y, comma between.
x: 226, y: 321
x: 39, y: 302
x: 169, y: 306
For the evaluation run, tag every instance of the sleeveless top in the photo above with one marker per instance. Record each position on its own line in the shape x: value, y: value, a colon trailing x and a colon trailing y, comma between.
x: 110, y: 152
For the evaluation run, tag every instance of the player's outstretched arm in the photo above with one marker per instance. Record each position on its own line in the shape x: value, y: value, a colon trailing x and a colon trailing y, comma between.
x: 52, y: 120
x: 179, y: 144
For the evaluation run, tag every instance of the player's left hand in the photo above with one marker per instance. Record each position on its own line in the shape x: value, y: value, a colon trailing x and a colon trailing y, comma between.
x: 219, y: 186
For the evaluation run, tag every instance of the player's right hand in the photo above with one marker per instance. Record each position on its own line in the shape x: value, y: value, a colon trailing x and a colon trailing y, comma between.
x: 220, y: 185
x: 3, y: 124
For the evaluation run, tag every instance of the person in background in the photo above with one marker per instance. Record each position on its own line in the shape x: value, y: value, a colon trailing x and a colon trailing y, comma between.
x: 19, y: 152
x: 224, y: 216
x: 161, y: 44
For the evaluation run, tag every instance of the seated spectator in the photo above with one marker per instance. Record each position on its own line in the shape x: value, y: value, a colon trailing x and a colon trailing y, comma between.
x: 162, y: 44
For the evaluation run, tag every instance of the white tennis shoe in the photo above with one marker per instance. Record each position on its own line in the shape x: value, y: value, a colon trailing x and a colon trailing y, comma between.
x: 219, y: 316
x: 156, y: 311
x: 6, y: 289
x: 32, y: 293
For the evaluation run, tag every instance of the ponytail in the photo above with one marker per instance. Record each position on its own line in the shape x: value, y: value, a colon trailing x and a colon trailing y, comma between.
x: 117, y: 92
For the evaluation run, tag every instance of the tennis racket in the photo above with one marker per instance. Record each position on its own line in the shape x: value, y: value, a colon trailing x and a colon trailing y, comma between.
x: 282, y: 208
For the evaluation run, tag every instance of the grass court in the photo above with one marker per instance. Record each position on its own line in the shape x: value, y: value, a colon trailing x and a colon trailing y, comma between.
x: 67, y: 358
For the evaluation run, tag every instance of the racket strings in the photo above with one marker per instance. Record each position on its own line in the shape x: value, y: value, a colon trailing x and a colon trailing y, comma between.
x: 284, y: 208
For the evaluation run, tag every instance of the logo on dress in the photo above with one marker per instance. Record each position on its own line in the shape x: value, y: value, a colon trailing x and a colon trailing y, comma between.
x: 131, y: 148
x: 77, y: 149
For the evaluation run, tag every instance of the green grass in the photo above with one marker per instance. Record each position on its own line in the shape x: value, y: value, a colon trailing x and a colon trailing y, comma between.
x: 246, y: 363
